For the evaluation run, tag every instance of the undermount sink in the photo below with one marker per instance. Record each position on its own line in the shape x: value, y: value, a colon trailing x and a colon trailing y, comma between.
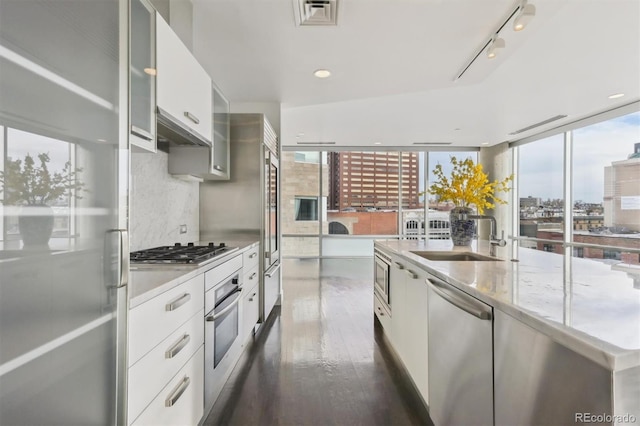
x: 455, y: 256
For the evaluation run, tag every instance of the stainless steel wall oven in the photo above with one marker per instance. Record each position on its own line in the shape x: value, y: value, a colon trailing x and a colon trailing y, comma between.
x: 222, y: 330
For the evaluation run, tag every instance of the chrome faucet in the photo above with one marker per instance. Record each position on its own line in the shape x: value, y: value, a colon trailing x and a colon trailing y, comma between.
x: 493, y: 239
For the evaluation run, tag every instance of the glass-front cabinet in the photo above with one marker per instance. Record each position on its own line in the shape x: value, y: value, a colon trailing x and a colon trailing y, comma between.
x: 221, y: 128
x: 63, y: 210
x: 142, y: 75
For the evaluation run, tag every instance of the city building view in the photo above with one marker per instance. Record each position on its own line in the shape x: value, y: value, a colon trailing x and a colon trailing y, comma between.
x: 383, y: 194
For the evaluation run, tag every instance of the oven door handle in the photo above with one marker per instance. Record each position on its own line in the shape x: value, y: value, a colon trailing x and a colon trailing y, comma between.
x: 225, y: 310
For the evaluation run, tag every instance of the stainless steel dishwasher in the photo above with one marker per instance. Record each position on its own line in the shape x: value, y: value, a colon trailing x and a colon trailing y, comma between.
x: 460, y: 357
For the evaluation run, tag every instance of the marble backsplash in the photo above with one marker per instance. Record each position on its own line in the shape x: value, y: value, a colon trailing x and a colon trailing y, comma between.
x: 160, y: 203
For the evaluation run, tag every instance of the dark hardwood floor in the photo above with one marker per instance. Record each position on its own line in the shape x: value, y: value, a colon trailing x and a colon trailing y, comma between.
x: 321, y: 359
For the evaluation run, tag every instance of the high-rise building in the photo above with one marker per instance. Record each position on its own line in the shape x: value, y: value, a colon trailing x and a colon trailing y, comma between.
x: 622, y: 193
x: 371, y: 180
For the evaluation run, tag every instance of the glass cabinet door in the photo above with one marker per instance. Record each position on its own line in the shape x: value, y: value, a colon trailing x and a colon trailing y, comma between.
x: 63, y: 191
x: 221, y: 128
x: 142, y: 74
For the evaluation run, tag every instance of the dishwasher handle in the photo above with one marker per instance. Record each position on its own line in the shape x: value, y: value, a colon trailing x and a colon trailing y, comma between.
x: 460, y: 299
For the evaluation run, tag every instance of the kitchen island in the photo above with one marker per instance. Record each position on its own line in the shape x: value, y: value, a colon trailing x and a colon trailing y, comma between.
x: 543, y: 304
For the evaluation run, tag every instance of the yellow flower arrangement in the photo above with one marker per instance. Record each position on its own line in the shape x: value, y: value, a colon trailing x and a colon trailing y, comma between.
x: 468, y: 186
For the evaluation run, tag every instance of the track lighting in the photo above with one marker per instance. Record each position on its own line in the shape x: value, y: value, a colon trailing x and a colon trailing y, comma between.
x: 495, y: 46
x: 524, y: 16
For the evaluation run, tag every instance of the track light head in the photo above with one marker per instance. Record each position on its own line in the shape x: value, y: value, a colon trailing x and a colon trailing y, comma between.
x: 524, y: 16
x: 495, y: 46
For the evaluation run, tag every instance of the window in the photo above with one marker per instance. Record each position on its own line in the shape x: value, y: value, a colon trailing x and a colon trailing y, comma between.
x: 606, y: 184
x: 306, y: 208
x: 307, y: 157
x: 540, y: 188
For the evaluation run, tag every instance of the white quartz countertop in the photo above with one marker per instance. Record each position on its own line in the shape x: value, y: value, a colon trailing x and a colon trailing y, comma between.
x: 148, y: 281
x: 589, y: 306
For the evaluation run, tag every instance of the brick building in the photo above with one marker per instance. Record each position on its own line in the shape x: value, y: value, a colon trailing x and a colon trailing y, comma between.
x: 371, y: 180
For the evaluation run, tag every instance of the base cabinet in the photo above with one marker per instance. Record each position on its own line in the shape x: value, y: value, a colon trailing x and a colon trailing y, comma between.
x: 408, y: 323
x: 539, y: 381
x: 180, y: 401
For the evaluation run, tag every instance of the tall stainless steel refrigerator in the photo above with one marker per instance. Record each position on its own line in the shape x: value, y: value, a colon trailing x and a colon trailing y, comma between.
x: 247, y: 206
x: 64, y: 190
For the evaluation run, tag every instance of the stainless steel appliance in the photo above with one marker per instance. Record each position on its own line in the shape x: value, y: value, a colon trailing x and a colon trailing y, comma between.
x: 222, y: 331
x: 63, y: 295
x: 381, y: 277
x: 189, y: 254
x: 460, y: 357
x: 246, y: 207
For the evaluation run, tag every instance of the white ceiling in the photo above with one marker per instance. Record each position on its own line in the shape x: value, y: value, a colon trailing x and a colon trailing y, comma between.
x: 394, y: 64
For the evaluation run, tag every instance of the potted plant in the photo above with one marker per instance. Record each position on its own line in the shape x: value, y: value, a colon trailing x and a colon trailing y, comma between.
x: 34, y: 188
x: 467, y: 187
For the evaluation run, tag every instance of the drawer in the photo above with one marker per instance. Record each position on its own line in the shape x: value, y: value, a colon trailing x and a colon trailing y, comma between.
x: 154, y: 320
x: 250, y: 311
x: 153, y: 371
x: 382, y: 313
x: 251, y: 257
x: 250, y: 278
x: 220, y: 272
x: 180, y: 402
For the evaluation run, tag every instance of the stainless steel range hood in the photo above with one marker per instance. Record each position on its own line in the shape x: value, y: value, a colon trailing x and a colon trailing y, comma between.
x: 176, y: 132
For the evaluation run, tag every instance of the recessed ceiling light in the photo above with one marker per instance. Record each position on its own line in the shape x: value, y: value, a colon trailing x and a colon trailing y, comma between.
x: 151, y: 71
x: 377, y: 143
x: 299, y: 135
x: 321, y: 73
x: 484, y: 143
x: 616, y: 96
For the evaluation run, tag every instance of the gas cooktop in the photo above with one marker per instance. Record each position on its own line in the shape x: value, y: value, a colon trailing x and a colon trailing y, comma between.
x: 189, y: 254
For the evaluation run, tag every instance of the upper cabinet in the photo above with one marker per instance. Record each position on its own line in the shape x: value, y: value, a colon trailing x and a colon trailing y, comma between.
x: 221, y: 130
x: 183, y: 86
x: 202, y: 162
x: 142, y: 75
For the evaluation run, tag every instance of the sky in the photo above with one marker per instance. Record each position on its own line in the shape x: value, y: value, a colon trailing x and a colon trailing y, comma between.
x: 594, y: 147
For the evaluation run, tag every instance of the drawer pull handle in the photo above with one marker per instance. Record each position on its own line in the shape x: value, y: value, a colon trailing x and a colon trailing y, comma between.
x: 252, y: 276
x: 252, y: 296
x: 192, y: 117
x: 252, y: 255
x: 177, y: 347
x: 411, y: 274
x: 177, y: 392
x: 399, y: 265
x: 172, y: 306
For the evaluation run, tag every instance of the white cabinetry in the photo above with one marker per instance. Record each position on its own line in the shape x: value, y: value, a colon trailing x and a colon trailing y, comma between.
x: 408, y: 326
x: 166, y: 337
x: 251, y: 298
x: 183, y: 86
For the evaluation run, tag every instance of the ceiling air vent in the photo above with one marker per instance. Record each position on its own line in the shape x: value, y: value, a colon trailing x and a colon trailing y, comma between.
x: 432, y: 143
x: 542, y: 123
x: 316, y: 12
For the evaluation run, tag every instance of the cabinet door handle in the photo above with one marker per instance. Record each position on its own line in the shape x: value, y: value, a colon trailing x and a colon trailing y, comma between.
x: 252, y: 276
x: 175, y: 304
x: 177, y: 392
x: 411, y: 274
x: 191, y: 117
x: 399, y: 265
x: 252, y: 255
x: 252, y: 296
x: 380, y: 311
x: 177, y: 347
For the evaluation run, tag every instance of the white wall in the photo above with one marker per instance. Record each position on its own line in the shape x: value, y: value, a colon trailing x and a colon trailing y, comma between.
x: 160, y: 204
